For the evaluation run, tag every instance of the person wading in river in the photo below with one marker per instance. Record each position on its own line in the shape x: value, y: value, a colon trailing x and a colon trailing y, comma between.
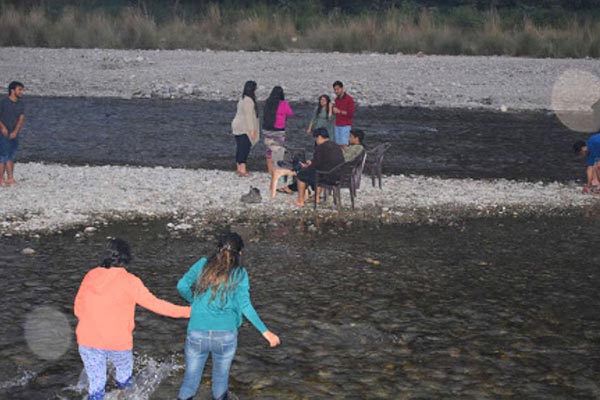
x: 218, y: 289
x: 105, y: 306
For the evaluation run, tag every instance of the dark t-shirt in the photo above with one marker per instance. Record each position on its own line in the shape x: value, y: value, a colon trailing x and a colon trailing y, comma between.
x: 10, y: 113
x: 327, y: 156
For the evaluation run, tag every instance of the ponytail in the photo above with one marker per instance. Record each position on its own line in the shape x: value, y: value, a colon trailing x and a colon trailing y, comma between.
x: 220, y: 273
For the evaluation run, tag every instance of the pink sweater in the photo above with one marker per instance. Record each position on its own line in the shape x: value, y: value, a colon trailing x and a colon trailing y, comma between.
x: 283, y: 111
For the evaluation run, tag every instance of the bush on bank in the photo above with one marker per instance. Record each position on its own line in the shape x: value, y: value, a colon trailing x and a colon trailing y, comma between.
x: 406, y: 28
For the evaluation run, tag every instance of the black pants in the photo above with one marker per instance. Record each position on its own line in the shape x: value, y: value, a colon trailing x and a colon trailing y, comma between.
x: 308, y: 176
x: 242, y: 149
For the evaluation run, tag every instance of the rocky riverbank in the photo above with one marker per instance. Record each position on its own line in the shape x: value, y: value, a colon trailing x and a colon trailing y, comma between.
x: 56, y: 197
x: 500, y: 83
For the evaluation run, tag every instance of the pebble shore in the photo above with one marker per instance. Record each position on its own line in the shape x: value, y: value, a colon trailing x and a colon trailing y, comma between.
x: 499, y: 83
x: 50, y: 198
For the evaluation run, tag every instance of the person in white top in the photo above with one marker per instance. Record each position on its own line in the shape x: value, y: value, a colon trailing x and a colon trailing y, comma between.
x: 245, y: 127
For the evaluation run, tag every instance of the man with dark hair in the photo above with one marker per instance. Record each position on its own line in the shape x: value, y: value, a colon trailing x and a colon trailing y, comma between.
x: 12, y: 112
x: 327, y: 156
x: 356, y: 145
x: 591, y: 150
x: 344, y: 113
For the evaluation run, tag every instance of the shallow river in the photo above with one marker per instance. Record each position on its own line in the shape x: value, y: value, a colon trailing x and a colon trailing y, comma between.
x: 483, y: 309
x: 195, y: 134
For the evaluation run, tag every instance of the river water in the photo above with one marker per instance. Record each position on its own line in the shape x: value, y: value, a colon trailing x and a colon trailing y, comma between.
x: 195, y: 134
x: 476, y: 309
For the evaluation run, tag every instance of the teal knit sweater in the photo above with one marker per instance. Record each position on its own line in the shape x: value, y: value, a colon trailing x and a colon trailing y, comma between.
x: 221, y: 314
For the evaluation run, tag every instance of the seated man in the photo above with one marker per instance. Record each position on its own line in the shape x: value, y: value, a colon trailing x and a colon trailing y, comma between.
x: 590, y: 149
x: 356, y: 145
x: 327, y: 156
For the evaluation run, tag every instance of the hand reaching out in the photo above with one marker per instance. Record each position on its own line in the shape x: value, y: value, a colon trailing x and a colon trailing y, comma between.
x: 272, y: 338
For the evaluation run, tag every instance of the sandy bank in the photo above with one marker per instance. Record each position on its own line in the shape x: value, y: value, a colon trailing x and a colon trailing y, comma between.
x: 53, y: 197
x: 431, y: 81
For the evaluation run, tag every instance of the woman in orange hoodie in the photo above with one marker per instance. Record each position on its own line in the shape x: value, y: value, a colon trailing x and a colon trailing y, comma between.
x: 105, y: 306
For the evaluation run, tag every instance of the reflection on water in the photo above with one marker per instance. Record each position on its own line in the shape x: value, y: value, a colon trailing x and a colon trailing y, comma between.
x: 483, y: 308
x: 196, y: 134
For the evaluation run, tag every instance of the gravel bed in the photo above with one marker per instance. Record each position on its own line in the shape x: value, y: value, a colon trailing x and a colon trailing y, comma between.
x: 53, y: 197
x: 500, y: 83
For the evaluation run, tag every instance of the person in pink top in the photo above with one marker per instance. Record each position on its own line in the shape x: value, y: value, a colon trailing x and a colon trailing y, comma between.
x: 105, y: 307
x: 276, y: 112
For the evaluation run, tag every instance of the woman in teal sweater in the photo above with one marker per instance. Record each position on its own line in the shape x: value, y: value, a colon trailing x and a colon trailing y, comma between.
x: 219, y: 291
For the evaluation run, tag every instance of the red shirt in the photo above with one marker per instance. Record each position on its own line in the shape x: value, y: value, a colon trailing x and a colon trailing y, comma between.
x: 344, y: 103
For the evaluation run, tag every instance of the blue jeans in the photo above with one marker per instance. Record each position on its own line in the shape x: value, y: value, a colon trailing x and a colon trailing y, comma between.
x: 198, y: 345
x: 342, y: 134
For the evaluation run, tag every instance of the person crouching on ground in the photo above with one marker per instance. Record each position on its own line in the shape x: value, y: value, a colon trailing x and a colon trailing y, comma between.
x: 327, y: 156
x: 218, y: 289
x: 12, y: 116
x: 105, y: 306
x: 591, y: 150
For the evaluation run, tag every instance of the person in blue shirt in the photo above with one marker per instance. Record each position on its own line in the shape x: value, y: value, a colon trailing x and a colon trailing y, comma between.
x: 219, y: 291
x: 591, y: 150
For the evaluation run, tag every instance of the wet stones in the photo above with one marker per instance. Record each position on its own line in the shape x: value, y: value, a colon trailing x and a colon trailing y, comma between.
x: 28, y: 251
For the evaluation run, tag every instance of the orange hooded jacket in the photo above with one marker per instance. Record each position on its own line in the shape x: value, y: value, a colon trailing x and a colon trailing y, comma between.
x: 105, y: 306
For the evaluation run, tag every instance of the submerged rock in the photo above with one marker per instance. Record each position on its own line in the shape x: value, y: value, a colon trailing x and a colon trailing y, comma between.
x: 28, y: 251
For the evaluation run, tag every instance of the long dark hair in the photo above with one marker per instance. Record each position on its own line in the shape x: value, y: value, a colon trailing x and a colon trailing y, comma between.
x: 271, y: 105
x: 250, y: 91
x: 116, y: 254
x: 221, y: 270
x: 319, y: 108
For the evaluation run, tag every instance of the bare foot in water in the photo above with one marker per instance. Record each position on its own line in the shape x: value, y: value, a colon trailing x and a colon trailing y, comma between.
x: 297, y: 203
x: 10, y: 182
x: 2, y: 183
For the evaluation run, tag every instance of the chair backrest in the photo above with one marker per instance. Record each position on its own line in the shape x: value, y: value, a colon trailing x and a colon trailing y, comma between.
x: 353, y: 170
x: 292, y: 154
x: 359, y: 169
x: 376, y: 153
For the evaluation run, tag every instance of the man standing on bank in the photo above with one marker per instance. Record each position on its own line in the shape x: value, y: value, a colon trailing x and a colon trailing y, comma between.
x: 344, y: 113
x: 12, y: 112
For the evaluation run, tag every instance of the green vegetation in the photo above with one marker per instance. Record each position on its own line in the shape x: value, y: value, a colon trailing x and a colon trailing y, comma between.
x: 560, y: 28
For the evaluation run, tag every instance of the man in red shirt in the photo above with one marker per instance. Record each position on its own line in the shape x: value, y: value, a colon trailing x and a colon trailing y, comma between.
x: 344, y: 112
